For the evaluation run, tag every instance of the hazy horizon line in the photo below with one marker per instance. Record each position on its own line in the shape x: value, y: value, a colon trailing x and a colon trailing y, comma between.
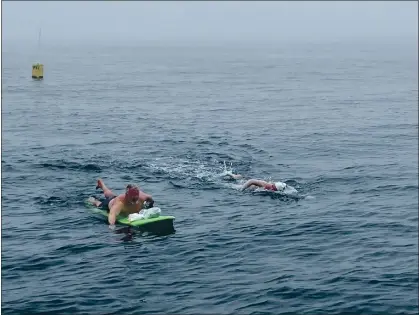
x: 209, y: 40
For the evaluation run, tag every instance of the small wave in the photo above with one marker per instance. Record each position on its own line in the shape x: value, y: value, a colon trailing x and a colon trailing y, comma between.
x: 346, y: 179
x: 73, y: 166
x: 6, y: 167
x: 129, y: 166
x: 104, y: 142
x: 385, y: 188
x: 203, y: 142
x: 71, y: 249
x: 35, y: 263
x: 176, y: 185
x: 48, y: 200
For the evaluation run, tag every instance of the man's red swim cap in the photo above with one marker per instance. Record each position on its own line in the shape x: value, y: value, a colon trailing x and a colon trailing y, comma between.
x: 132, y: 191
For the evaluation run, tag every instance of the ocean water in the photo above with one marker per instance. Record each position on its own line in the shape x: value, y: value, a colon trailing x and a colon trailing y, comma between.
x: 337, y: 121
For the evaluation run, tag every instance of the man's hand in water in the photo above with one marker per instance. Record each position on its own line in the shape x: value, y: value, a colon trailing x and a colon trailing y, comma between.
x: 112, y: 227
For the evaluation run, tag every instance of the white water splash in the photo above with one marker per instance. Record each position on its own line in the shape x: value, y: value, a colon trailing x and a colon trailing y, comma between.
x: 203, y: 171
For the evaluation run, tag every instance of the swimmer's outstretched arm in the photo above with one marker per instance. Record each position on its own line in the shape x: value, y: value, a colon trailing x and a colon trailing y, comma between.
x: 254, y: 182
x: 235, y: 176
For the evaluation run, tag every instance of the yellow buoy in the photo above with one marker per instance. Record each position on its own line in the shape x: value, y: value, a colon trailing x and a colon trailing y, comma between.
x: 38, y: 68
x: 37, y: 71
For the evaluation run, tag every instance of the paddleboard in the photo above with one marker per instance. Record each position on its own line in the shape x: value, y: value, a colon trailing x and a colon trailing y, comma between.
x: 162, y: 222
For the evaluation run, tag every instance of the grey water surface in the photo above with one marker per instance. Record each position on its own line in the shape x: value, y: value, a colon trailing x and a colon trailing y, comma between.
x: 338, y: 121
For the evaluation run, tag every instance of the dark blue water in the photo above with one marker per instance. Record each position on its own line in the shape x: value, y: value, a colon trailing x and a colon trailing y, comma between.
x: 336, y: 121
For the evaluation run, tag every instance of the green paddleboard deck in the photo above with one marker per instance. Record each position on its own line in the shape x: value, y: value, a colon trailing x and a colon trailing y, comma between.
x: 163, y: 220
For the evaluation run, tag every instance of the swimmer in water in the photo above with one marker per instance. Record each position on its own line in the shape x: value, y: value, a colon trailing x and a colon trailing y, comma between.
x: 257, y: 183
x: 131, y: 202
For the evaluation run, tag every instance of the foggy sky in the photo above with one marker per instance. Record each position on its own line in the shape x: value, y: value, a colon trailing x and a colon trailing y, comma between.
x: 135, y: 21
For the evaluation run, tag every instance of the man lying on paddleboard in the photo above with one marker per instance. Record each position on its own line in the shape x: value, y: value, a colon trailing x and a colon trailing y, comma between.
x: 130, y: 202
x: 255, y: 183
